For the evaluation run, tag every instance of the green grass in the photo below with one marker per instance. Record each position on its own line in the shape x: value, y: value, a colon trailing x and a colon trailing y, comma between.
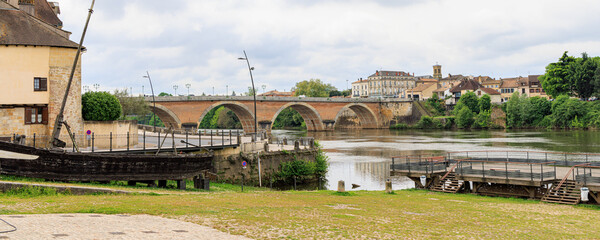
x: 260, y: 213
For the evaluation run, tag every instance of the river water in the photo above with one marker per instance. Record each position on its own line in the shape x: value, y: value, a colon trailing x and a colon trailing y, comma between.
x: 363, y: 157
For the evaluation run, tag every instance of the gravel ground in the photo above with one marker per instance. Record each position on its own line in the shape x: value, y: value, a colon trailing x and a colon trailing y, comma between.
x: 99, y: 226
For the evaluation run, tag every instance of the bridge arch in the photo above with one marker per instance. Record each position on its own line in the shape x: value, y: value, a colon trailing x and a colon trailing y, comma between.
x: 168, y: 117
x: 311, y: 116
x: 367, y: 118
x: 243, y: 113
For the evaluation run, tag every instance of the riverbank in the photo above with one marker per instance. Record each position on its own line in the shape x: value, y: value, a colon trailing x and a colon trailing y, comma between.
x: 261, y: 213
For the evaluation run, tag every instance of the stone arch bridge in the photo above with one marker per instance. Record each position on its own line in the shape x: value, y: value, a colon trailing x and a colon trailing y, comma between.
x: 319, y: 114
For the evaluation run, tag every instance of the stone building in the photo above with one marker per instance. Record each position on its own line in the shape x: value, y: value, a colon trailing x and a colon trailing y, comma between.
x: 36, y: 57
x: 386, y: 84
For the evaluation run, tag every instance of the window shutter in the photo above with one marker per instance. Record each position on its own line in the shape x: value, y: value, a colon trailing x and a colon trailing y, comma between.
x: 43, y: 84
x: 27, y: 115
x: 45, y: 115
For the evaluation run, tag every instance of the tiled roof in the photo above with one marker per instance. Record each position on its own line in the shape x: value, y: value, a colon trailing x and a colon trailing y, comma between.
x: 468, y: 84
x: 44, y: 11
x: 510, y: 83
x: 390, y: 73
x: 428, y: 80
x: 442, y: 89
x: 19, y: 28
x: 421, y: 87
x: 489, y: 91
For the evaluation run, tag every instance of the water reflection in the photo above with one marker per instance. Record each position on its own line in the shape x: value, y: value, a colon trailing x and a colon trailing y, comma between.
x: 363, y: 156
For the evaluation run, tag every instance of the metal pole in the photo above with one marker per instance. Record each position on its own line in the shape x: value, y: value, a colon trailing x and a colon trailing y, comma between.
x: 54, y: 141
x: 110, y: 142
x: 211, y: 137
x: 230, y: 137
x: 153, y: 103
x: 127, y: 141
x: 92, y: 142
x: 144, y: 145
x: 158, y: 143
x: 186, y: 133
x: 199, y: 138
x: 33, y: 139
x: 222, y: 137
x: 255, y: 113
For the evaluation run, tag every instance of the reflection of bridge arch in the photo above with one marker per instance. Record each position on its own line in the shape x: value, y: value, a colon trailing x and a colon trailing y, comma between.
x: 365, y: 115
x: 309, y: 114
x: 241, y: 111
x: 169, y: 118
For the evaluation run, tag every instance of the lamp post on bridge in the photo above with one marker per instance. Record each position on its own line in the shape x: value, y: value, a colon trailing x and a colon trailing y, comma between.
x: 188, y: 87
x: 255, y: 116
x: 153, y: 102
x: 175, y: 88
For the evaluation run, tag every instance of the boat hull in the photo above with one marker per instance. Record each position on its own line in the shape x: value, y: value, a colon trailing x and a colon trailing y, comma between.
x: 67, y: 166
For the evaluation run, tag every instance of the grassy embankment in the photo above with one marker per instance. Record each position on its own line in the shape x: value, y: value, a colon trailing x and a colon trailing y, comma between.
x: 261, y: 213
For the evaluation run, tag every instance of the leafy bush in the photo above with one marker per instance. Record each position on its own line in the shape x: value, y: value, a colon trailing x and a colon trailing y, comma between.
x: 565, y: 110
x: 464, y: 118
x: 436, y: 105
x: 399, y: 126
x: 100, y: 106
x: 469, y: 100
x: 483, y: 119
x: 485, y: 103
x: 425, y: 122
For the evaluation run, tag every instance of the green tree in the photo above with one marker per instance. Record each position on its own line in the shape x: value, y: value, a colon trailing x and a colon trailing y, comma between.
x: 556, y: 81
x: 163, y: 94
x: 289, y: 118
x: 436, y: 105
x: 131, y: 105
x: 100, y: 106
x: 581, y: 75
x: 540, y: 108
x: 483, y: 119
x: 313, y: 88
x: 220, y: 118
x: 485, y: 103
x: 464, y: 118
x: 516, y: 109
x: 597, y: 80
x: 469, y: 100
x: 233, y: 93
x: 565, y: 110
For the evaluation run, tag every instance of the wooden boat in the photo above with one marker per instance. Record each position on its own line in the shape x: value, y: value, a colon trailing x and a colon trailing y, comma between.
x: 20, y: 160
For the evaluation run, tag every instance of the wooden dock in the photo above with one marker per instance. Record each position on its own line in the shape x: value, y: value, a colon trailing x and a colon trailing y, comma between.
x: 551, y: 177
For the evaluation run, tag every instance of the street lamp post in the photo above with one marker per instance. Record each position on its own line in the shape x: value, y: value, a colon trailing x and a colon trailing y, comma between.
x: 188, y: 87
x: 96, y: 86
x: 264, y: 87
x: 175, y: 88
x: 255, y: 116
x: 153, y: 101
x: 226, y: 90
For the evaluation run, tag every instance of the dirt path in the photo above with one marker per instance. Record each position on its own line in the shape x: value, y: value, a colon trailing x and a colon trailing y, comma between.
x: 99, y: 226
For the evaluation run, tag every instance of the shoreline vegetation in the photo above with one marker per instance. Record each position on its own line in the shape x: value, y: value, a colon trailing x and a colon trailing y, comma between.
x: 519, y: 112
x: 261, y: 213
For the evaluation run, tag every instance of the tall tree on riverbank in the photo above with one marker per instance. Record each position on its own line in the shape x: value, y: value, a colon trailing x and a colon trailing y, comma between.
x: 555, y: 81
x: 581, y: 76
x: 313, y: 88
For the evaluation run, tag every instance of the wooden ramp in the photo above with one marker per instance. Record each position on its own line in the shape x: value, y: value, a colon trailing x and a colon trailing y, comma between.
x: 448, y: 184
x: 566, y: 193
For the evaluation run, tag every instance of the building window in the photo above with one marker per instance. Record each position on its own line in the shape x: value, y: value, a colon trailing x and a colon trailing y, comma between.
x: 531, y: 90
x: 40, y: 84
x: 36, y: 115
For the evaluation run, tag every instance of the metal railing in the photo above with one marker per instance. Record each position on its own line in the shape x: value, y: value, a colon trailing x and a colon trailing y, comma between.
x: 135, y: 141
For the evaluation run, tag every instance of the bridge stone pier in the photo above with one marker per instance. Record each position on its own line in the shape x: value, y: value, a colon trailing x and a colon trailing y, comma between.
x: 319, y: 114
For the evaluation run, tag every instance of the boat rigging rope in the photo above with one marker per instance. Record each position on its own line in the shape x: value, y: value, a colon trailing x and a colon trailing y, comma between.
x: 13, y: 226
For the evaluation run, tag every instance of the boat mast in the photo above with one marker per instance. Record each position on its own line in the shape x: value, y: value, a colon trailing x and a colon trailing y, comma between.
x: 54, y: 141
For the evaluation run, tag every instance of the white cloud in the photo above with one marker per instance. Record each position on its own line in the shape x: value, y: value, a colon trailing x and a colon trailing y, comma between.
x: 198, y: 42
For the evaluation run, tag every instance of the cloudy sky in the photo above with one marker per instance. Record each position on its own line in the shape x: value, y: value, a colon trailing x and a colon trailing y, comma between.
x: 198, y: 42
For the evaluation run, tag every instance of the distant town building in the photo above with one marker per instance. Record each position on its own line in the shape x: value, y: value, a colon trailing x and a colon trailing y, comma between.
x: 275, y: 93
x: 36, y: 58
x: 437, y: 71
x: 387, y: 84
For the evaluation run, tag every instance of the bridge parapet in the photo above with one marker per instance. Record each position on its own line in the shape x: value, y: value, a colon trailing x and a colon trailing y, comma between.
x: 275, y: 99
